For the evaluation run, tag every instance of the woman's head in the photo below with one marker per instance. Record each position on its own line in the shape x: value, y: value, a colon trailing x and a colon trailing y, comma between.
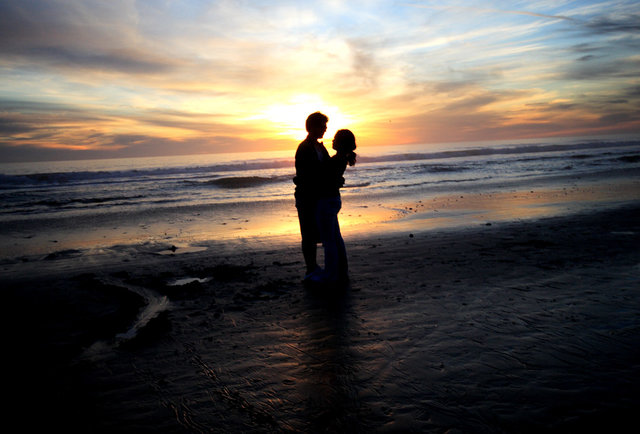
x: 344, y: 142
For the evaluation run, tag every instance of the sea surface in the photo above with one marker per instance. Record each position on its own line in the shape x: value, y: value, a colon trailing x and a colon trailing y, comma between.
x: 73, y: 188
x: 87, y: 195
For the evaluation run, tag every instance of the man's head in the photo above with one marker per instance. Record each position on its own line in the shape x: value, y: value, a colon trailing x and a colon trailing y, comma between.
x: 316, y: 125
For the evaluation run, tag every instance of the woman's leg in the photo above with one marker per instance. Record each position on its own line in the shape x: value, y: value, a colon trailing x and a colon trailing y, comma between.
x: 343, y: 263
x: 334, y: 249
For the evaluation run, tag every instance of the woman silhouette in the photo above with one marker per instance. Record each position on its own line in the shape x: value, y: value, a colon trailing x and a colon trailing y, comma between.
x: 329, y: 204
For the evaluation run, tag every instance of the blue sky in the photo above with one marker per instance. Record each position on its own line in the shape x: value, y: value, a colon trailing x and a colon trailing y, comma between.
x: 88, y: 79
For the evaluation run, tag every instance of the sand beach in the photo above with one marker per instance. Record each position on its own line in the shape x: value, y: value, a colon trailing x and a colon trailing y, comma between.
x: 528, y: 325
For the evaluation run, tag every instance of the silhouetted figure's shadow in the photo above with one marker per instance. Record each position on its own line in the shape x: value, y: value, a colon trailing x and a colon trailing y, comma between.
x: 329, y: 391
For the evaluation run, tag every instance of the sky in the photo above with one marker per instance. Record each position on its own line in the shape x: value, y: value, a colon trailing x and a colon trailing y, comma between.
x: 126, y: 78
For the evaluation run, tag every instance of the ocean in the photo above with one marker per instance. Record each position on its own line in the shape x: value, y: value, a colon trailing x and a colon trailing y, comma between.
x: 194, y: 198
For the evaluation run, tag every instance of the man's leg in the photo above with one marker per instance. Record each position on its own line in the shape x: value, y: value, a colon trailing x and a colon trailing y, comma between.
x: 309, y: 233
x: 309, y: 252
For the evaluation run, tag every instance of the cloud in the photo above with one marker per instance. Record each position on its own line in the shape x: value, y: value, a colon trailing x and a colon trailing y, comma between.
x: 52, y: 125
x: 585, y: 47
x: 67, y: 131
x: 364, y: 62
x: 626, y: 23
x: 475, y: 10
x: 618, y: 118
x: 10, y: 127
x: 124, y: 61
x: 603, y: 68
x: 66, y: 23
x: 632, y: 91
x: 472, y: 103
x: 472, y: 112
x: 76, y: 35
x: 126, y: 146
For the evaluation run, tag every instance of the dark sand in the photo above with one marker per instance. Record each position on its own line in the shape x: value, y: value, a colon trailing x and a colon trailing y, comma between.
x: 513, y: 327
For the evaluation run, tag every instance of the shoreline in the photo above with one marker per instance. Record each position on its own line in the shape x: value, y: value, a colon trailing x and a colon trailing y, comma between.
x: 518, y: 326
x: 244, y: 224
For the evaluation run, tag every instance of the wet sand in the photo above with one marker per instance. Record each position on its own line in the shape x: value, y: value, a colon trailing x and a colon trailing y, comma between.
x: 514, y: 326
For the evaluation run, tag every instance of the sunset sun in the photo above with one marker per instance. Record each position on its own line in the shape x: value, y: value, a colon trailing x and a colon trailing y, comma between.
x: 288, y: 118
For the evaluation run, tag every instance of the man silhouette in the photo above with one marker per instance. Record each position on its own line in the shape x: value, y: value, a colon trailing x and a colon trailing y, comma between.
x: 311, y: 158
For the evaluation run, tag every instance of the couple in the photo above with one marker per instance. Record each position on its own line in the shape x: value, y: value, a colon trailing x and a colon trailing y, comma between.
x: 318, y: 181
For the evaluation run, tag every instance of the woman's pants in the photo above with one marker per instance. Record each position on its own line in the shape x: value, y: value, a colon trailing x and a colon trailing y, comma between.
x: 335, y: 253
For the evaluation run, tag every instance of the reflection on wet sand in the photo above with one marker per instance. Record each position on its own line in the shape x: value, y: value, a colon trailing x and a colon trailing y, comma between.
x: 428, y: 213
x: 275, y: 222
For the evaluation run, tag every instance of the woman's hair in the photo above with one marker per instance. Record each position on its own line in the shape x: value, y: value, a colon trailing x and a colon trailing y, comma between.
x: 345, y: 143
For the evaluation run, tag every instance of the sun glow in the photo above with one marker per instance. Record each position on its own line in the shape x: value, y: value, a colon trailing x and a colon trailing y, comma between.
x: 289, y: 118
